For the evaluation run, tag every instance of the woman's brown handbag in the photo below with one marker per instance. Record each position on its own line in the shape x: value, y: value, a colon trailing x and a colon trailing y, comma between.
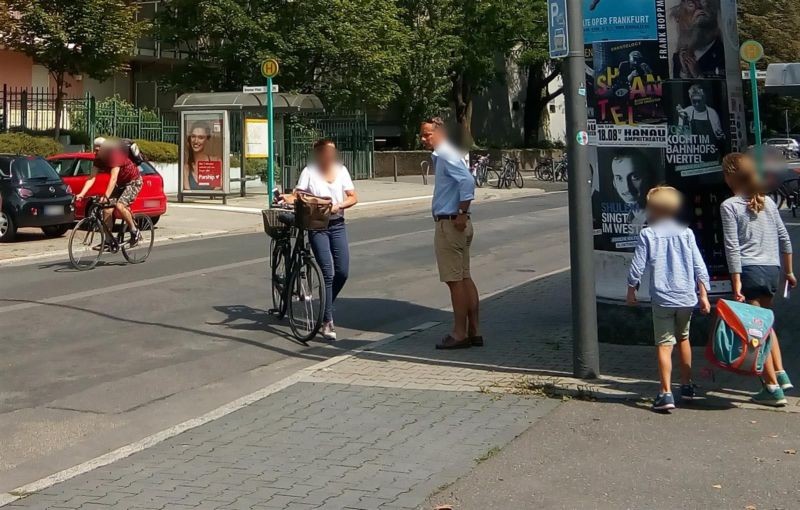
x: 312, y: 212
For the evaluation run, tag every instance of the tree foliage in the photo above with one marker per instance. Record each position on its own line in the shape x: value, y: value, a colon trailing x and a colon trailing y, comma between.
x: 91, y: 37
x: 774, y: 24
x: 425, y: 85
x: 349, y: 52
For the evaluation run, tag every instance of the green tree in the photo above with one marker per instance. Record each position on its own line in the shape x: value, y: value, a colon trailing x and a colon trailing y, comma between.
x: 349, y: 52
x: 488, y: 31
x: 91, y: 37
x: 773, y: 23
x: 225, y: 41
x: 534, y: 56
x: 425, y: 84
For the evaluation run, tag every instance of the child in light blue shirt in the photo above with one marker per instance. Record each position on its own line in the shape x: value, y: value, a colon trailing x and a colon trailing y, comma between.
x: 678, y: 276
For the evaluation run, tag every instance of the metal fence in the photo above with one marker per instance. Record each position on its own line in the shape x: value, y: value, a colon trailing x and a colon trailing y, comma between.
x: 34, y: 109
x: 353, y: 139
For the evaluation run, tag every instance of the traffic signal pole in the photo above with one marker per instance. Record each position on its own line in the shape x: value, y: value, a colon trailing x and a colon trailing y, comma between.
x: 585, y: 349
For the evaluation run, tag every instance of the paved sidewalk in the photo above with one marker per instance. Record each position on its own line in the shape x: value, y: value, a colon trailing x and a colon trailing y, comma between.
x: 529, y: 351
x: 385, y: 427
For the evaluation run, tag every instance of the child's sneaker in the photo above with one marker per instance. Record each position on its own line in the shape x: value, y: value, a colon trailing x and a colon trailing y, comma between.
x: 783, y: 381
x: 664, y: 402
x: 688, y: 392
x: 770, y: 398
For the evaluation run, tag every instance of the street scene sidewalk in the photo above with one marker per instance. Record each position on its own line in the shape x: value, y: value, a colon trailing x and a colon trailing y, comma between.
x: 393, y: 424
x: 203, y: 217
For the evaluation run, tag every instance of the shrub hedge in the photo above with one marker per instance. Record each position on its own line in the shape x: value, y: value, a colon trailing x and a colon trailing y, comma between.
x: 159, y: 152
x: 23, y: 143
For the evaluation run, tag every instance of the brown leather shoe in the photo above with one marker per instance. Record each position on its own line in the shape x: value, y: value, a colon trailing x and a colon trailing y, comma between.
x: 477, y: 341
x: 449, y: 342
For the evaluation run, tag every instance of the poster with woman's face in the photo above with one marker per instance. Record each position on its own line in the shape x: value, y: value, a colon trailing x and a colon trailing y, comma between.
x: 625, y: 175
x: 202, y: 162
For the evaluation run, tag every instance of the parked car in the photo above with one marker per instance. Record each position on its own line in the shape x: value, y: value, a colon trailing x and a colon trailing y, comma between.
x: 789, y: 146
x: 75, y: 169
x: 33, y: 195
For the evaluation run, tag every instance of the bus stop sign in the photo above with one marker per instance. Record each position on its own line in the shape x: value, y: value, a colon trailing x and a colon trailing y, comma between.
x: 269, y: 68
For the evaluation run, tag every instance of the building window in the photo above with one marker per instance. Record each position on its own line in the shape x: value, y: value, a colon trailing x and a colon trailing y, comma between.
x: 552, y: 108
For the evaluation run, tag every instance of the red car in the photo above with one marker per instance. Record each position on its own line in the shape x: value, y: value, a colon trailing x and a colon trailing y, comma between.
x: 75, y: 168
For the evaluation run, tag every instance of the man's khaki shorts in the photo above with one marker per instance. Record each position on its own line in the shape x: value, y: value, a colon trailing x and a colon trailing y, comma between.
x: 452, y: 250
x: 671, y: 324
x: 127, y: 193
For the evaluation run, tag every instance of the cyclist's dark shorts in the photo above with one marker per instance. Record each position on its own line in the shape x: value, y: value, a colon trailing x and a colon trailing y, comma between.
x: 127, y: 193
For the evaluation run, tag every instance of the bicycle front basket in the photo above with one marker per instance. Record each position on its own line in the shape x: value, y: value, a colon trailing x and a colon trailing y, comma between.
x: 272, y: 225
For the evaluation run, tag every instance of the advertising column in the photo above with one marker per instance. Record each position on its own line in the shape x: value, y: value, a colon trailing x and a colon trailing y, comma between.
x: 204, y: 167
x: 627, y: 65
x: 665, y: 99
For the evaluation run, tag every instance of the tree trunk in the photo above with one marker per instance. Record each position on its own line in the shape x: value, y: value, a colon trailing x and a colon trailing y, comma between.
x: 462, y: 97
x: 59, y: 78
x: 533, y: 94
x: 537, y: 97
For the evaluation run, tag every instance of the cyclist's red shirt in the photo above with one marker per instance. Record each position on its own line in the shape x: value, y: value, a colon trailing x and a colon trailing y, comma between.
x: 128, y: 172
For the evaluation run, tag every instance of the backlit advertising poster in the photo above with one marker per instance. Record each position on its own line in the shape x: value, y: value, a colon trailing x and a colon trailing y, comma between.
x: 695, y: 31
x: 625, y: 174
x: 614, y: 20
x: 698, y: 126
x: 204, y: 145
x: 625, y: 89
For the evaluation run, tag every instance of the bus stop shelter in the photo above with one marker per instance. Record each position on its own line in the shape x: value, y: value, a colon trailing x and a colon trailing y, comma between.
x: 223, y: 138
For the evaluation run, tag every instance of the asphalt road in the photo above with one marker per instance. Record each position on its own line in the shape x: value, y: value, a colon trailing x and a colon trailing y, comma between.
x: 93, y: 361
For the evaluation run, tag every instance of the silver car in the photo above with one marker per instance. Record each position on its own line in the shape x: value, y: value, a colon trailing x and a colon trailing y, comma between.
x: 789, y: 146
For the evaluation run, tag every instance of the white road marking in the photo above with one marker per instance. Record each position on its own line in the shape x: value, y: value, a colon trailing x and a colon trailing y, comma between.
x: 158, y: 437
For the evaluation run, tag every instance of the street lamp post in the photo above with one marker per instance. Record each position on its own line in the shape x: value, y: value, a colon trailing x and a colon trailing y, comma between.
x: 565, y: 20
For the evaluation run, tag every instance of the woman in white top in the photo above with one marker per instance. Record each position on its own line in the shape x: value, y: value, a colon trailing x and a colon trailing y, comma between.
x: 326, y: 177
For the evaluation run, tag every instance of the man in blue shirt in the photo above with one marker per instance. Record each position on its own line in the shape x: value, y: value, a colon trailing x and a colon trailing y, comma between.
x: 452, y: 195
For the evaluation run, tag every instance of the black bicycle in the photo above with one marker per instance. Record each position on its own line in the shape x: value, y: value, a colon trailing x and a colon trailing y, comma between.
x: 297, y: 285
x: 510, y: 173
x: 91, y: 237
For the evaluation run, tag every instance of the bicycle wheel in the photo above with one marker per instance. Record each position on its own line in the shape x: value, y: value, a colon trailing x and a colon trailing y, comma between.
x: 518, y: 180
x: 306, y: 299
x: 492, y: 177
x: 86, y: 243
x: 278, y: 275
x: 139, y: 253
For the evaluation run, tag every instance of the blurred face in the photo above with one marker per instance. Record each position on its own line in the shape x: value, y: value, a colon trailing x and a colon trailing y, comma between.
x: 430, y: 135
x: 325, y: 156
x: 627, y: 180
x: 198, y: 139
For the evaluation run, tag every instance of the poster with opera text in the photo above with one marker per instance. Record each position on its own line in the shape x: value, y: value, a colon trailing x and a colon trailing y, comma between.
x: 204, y: 169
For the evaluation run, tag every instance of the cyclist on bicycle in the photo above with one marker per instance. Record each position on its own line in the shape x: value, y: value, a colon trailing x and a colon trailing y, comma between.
x: 124, y: 183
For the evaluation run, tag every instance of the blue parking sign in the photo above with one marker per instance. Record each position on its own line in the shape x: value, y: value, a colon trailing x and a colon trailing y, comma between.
x: 557, y: 28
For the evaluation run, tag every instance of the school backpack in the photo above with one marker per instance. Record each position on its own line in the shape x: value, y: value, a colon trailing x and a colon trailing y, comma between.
x: 741, y: 338
x: 131, y: 148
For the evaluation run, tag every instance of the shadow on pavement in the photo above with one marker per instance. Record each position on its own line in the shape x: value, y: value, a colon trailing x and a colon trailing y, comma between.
x: 529, y: 350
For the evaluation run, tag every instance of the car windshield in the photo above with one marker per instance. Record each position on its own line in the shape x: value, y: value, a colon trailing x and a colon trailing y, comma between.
x: 32, y: 169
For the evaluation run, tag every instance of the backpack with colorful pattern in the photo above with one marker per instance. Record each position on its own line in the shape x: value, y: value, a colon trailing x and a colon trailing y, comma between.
x: 741, y: 338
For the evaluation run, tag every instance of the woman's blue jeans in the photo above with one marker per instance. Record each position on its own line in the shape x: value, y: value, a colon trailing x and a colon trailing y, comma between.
x: 333, y: 256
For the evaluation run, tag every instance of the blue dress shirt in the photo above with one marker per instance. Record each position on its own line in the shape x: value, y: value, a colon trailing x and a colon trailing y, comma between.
x: 454, y: 182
